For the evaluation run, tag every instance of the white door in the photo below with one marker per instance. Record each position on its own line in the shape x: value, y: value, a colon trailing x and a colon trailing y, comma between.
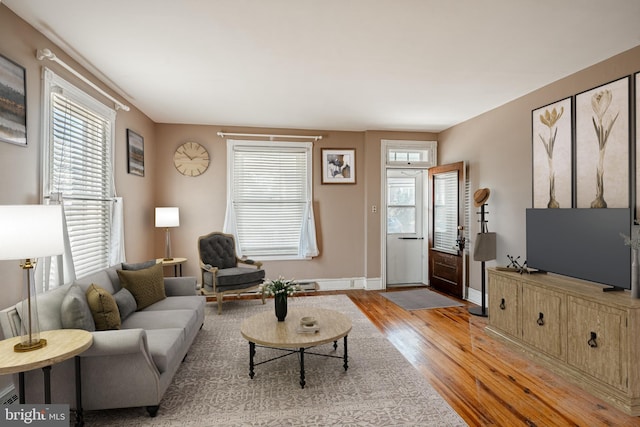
x: 405, y: 226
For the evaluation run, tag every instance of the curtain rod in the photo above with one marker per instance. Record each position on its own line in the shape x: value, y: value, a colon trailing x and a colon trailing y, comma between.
x: 47, y: 54
x: 266, y: 135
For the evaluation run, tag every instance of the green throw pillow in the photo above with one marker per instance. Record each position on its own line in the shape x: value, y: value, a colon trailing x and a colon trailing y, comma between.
x: 147, y: 285
x: 103, y: 308
x: 75, y: 312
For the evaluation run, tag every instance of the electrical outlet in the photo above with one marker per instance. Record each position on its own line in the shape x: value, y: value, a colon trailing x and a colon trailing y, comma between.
x: 374, y: 209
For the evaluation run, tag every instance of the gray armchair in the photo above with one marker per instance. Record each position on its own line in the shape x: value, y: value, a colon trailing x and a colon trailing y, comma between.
x: 221, y: 273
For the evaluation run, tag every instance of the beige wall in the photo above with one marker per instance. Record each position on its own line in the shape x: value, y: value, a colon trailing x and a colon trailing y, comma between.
x: 497, y: 148
x: 20, y: 166
x: 496, y: 145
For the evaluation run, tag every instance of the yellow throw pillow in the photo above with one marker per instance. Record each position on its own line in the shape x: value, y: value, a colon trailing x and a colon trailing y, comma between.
x: 103, y: 308
x: 146, y: 285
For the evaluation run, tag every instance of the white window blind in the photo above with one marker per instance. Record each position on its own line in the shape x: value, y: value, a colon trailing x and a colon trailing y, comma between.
x: 79, y: 168
x: 270, y: 192
x: 445, y: 212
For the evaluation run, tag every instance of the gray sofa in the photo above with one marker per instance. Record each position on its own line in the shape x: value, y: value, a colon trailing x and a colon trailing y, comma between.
x: 127, y: 367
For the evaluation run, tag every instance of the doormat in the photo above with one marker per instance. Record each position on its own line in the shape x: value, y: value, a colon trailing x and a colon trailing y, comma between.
x: 420, y: 299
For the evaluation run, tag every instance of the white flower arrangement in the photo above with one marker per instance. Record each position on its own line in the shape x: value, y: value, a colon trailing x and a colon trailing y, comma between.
x: 634, y: 240
x: 280, y: 286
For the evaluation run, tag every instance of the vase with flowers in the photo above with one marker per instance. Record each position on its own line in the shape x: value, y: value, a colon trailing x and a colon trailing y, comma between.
x: 280, y: 289
x: 634, y: 242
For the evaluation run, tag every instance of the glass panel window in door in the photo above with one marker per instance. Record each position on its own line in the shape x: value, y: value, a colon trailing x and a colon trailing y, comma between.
x: 401, y: 205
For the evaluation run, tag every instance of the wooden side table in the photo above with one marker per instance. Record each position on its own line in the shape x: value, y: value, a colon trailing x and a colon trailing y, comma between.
x: 62, y: 344
x: 176, y: 263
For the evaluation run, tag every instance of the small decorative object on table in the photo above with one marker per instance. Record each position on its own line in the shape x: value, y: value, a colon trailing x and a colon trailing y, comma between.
x: 634, y: 243
x: 280, y: 288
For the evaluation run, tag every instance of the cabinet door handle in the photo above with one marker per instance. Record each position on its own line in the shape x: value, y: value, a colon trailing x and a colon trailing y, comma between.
x: 592, y: 342
x: 502, y: 305
x: 540, y: 320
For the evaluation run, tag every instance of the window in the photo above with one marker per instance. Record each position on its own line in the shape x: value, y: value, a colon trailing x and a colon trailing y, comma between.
x: 445, y: 211
x: 401, y: 205
x: 409, y: 154
x: 78, y: 135
x: 269, y: 199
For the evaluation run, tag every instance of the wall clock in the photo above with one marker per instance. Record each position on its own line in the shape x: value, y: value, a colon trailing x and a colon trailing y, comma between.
x: 191, y: 159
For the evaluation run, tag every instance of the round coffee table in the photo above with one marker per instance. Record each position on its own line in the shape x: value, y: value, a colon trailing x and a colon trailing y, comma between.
x: 264, y: 330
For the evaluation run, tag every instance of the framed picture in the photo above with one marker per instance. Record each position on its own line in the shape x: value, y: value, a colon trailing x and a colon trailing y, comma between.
x: 13, y: 103
x: 602, y: 146
x: 135, y: 153
x: 637, y: 136
x: 551, y: 139
x: 338, y: 166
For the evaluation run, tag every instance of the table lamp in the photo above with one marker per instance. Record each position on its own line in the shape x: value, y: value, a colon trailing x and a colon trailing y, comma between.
x: 167, y: 217
x: 28, y: 232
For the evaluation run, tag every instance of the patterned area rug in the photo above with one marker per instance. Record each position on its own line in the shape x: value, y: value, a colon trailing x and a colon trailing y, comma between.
x: 213, y: 388
x: 420, y: 299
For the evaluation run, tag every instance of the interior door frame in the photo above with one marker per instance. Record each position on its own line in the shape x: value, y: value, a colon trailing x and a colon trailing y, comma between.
x: 385, y: 144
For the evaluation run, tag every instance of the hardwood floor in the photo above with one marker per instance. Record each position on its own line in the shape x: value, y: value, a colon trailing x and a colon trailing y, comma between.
x: 483, y: 380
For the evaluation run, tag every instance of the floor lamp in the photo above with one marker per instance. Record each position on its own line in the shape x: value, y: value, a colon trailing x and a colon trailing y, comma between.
x: 28, y: 232
x: 167, y: 218
x: 484, y: 248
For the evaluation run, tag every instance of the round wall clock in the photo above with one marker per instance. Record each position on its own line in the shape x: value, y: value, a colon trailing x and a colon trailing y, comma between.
x: 191, y: 159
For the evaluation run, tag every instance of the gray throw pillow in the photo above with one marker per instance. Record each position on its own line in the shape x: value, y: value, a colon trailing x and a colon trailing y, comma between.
x: 126, y: 303
x: 75, y: 312
x: 139, y: 265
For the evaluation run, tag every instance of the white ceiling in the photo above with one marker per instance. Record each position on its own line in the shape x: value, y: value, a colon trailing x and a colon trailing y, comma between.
x: 421, y: 65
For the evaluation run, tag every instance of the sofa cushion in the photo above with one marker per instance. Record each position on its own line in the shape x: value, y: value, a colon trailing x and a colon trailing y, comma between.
x: 164, y: 346
x: 100, y: 278
x: 191, y: 302
x: 147, y: 285
x: 139, y: 265
x: 103, y: 308
x: 186, y: 320
x: 126, y: 303
x: 49, y: 315
x: 75, y: 312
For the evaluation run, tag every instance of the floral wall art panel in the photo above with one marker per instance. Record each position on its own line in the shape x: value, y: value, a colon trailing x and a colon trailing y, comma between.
x: 602, y: 146
x: 637, y: 130
x: 552, y: 155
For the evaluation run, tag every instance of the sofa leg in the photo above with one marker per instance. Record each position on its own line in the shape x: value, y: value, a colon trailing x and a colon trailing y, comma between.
x: 219, y: 298
x: 153, y: 410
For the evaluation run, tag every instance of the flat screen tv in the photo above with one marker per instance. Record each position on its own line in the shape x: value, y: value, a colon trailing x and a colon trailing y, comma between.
x: 581, y: 243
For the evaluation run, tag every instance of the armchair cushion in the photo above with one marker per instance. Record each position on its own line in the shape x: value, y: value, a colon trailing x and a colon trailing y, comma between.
x: 75, y: 311
x: 218, y: 250
x: 146, y: 285
x: 103, y: 308
x: 239, y: 276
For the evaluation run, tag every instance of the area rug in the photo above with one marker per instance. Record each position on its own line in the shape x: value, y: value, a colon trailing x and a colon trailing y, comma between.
x: 419, y: 299
x: 213, y: 388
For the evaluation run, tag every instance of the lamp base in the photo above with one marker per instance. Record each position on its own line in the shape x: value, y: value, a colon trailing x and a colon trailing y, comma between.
x: 23, y: 348
x: 479, y: 311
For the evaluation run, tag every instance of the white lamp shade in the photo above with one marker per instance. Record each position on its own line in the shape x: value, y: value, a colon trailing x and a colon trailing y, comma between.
x: 30, y: 231
x: 167, y: 217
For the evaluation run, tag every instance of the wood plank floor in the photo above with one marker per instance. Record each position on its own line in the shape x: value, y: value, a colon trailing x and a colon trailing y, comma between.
x: 483, y: 380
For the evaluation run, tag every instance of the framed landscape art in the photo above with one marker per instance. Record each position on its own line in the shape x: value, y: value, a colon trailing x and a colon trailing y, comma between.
x: 13, y: 102
x: 552, y: 155
x: 135, y: 153
x: 602, y: 146
x: 338, y: 166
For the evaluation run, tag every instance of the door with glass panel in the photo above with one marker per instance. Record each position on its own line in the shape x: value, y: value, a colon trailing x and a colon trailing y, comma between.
x: 405, y: 226
x: 446, y: 232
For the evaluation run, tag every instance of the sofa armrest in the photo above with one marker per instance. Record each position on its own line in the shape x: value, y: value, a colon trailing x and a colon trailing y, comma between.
x: 117, y: 342
x: 180, y: 286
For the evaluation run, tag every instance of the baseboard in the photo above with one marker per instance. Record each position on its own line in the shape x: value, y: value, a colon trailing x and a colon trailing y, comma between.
x: 475, y: 296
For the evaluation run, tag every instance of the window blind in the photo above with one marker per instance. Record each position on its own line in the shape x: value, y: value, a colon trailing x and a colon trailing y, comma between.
x: 80, y: 169
x: 270, y: 195
x: 445, y: 211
